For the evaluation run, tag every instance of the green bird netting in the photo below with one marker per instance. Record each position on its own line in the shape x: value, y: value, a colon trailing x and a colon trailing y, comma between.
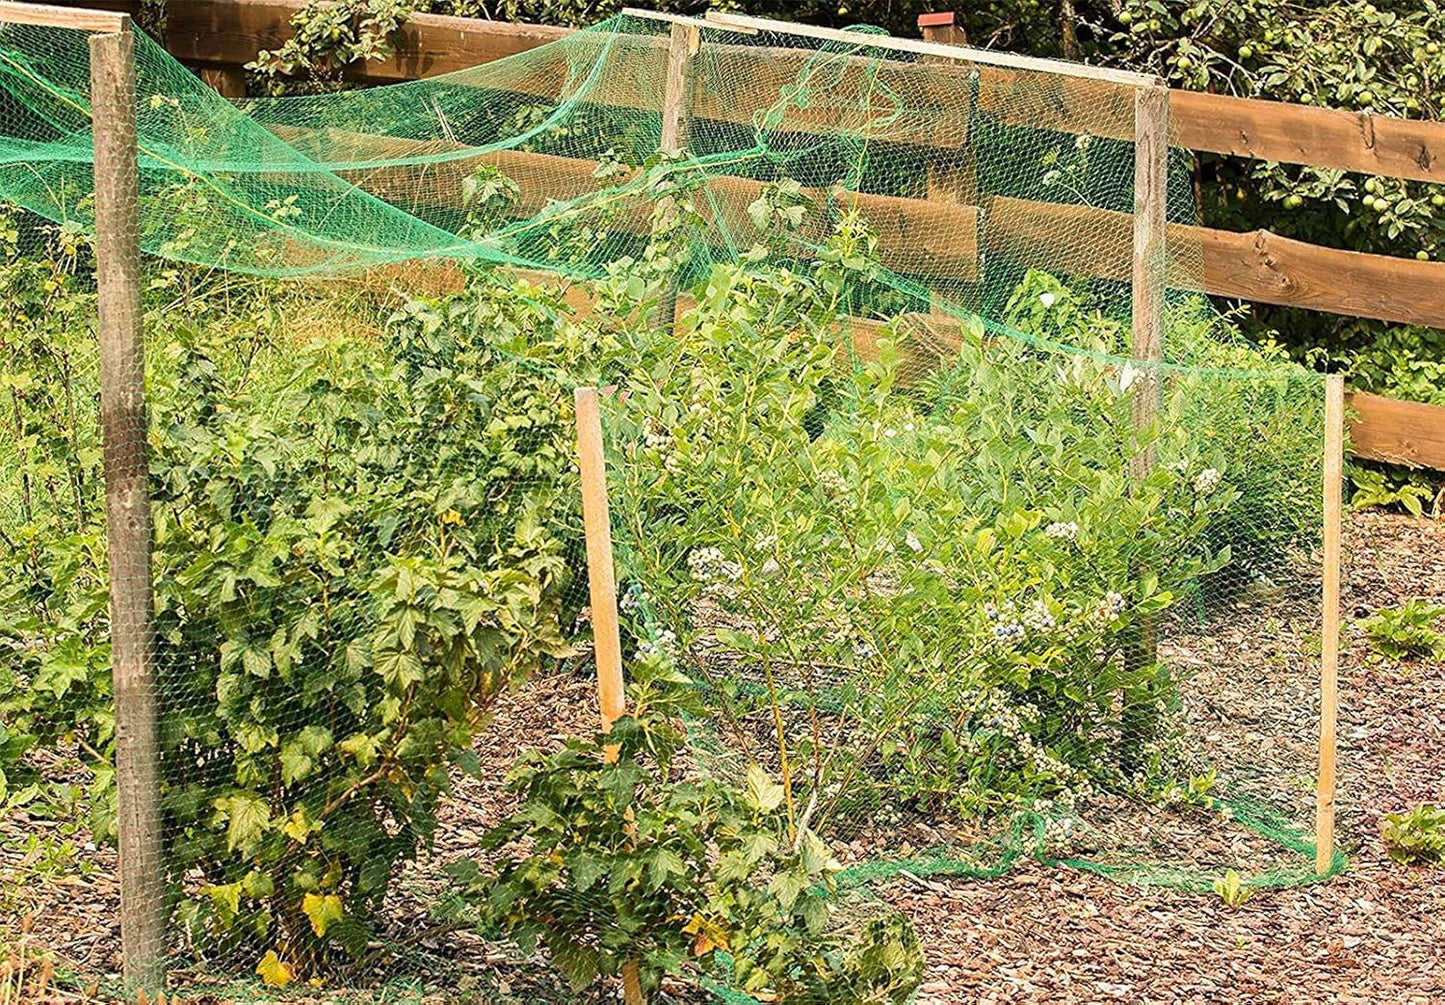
x: 928, y: 559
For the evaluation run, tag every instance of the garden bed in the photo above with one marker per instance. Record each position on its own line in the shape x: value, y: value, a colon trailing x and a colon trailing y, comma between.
x: 1032, y: 934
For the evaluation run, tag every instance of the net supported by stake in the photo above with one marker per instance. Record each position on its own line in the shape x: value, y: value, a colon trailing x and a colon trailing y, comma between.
x: 950, y: 522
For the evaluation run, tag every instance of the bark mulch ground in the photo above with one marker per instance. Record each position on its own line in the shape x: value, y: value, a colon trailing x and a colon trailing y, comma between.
x: 1036, y: 934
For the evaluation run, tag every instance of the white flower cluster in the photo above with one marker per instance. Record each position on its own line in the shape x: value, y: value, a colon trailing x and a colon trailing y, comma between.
x: 656, y: 438
x: 1110, y: 608
x: 712, y: 568
x: 1038, y: 617
x: 1206, y: 481
x: 765, y: 542
x: 1065, y: 531
x: 832, y: 483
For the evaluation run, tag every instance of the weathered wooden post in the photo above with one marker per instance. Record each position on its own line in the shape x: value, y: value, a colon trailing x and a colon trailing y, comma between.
x: 1151, y: 261
x: 127, y: 506
x: 677, y: 100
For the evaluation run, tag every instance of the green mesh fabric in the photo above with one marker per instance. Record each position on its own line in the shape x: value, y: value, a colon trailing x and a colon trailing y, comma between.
x: 889, y: 488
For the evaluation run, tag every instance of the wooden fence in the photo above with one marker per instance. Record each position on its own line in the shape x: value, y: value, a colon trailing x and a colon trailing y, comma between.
x: 217, y: 37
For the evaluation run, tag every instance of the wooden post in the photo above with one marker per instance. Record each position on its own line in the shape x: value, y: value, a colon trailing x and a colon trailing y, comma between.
x: 602, y: 588
x: 952, y: 173
x: 677, y: 103
x: 1151, y: 203
x: 943, y: 28
x: 1330, y: 621
x: 127, y: 508
x: 1151, y: 218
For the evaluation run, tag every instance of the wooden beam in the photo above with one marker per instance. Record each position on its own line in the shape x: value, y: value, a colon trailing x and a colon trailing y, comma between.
x: 77, y: 18
x: 1259, y: 266
x: 1303, y: 134
x: 914, y: 236
x: 1411, y: 433
x: 127, y: 511
x: 986, y: 57
x: 1334, y: 466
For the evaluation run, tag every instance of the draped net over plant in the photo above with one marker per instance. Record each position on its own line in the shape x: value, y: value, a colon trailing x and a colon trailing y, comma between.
x: 897, y: 517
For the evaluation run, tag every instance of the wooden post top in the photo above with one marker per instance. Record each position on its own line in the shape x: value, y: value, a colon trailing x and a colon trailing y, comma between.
x: 76, y: 18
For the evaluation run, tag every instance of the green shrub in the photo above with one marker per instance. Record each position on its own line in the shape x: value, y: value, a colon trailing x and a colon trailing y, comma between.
x: 350, y: 566
x: 626, y: 860
x: 949, y: 570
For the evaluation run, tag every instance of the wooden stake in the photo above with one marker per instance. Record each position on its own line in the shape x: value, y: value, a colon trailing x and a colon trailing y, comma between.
x: 127, y: 509
x: 1330, y: 627
x: 602, y: 587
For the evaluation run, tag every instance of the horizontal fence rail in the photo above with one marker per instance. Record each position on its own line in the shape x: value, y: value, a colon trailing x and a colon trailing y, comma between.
x: 219, y: 36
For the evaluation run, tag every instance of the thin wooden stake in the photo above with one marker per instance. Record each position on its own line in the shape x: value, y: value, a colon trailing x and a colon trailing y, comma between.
x: 1330, y: 627
x: 602, y: 587
x: 601, y: 582
x: 127, y: 509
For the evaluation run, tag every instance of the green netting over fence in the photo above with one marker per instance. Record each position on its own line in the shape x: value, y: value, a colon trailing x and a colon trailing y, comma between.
x: 928, y: 563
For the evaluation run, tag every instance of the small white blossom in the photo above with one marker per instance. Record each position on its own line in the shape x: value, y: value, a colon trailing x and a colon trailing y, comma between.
x: 765, y: 542
x: 710, y: 567
x: 1047, y: 299
x: 1206, y: 481
x: 912, y: 541
x: 1067, y: 531
x: 1039, y: 617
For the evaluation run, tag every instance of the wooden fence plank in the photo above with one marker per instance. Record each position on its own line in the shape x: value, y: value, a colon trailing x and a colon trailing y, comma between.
x: 914, y: 235
x: 1259, y: 266
x: 1301, y: 134
x: 1397, y: 432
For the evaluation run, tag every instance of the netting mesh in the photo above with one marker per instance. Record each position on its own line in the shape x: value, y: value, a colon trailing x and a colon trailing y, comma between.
x: 898, y: 517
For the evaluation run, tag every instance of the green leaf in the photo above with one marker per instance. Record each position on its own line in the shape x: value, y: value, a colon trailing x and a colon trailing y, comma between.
x: 586, y: 870
x: 248, y: 819
x: 580, y: 964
